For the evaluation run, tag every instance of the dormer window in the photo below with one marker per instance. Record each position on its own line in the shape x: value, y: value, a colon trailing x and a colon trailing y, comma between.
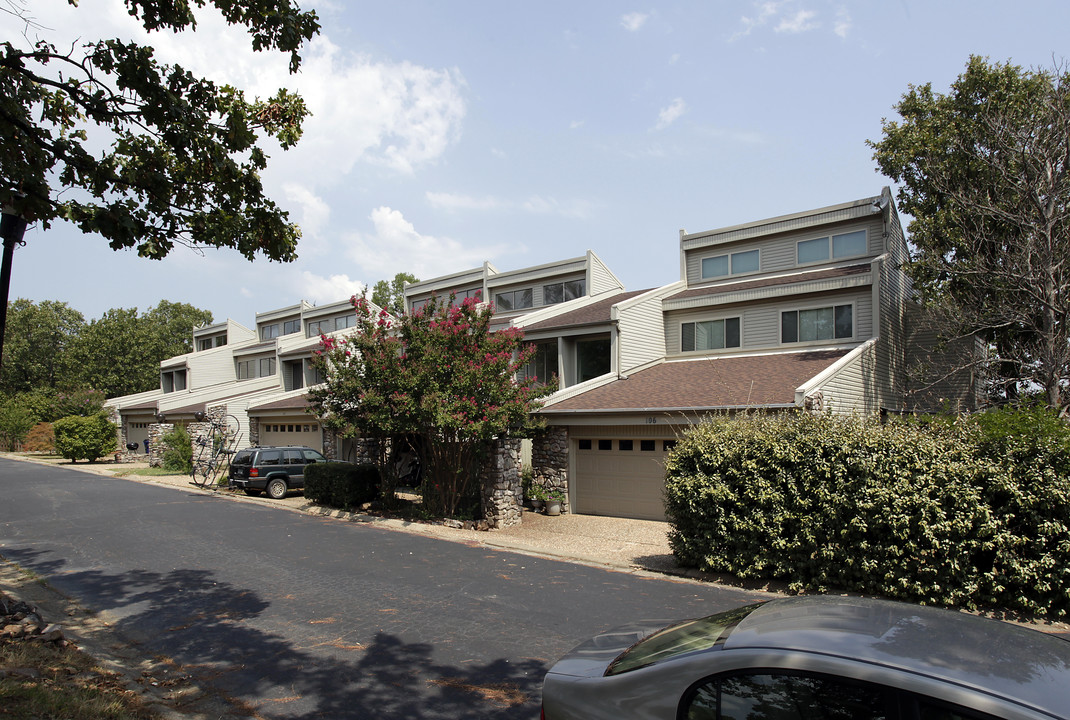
x: 827, y: 323
x: 514, y: 300
x: 269, y: 332
x: 291, y: 326
x: 172, y: 380
x: 563, y: 291
x: 736, y: 263
x: 709, y: 335
x: 837, y: 246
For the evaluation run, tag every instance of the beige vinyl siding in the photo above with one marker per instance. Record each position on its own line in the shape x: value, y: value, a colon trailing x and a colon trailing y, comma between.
x: 601, y: 278
x: 778, y: 253
x: 640, y: 333
x: 210, y: 367
x: 851, y: 389
x: 761, y: 323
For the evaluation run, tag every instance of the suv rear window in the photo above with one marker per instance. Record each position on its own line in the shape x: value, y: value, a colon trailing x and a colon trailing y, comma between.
x: 243, y: 457
x: 680, y: 639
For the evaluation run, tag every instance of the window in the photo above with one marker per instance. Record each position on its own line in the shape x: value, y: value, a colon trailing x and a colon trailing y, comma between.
x: 759, y: 695
x: 459, y: 296
x: 173, y: 380
x: 817, y: 324
x: 514, y: 300
x: 204, y: 344
x: 592, y: 358
x: 318, y: 376
x: 842, y: 246
x: 543, y: 364
x: 710, y: 335
x: 291, y: 326
x: 257, y: 367
x: 585, y: 444
x: 315, y: 327
x: 732, y: 264
x: 269, y: 332
x: 346, y: 321
x: 624, y: 445
x: 648, y: 445
x: 563, y: 291
x: 605, y: 444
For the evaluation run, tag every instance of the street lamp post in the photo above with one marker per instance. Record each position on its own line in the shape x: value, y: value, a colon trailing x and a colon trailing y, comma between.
x: 12, y: 228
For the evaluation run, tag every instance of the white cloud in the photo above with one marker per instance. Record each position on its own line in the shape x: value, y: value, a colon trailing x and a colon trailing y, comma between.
x: 575, y: 124
x: 454, y: 201
x: 674, y: 58
x: 801, y: 21
x: 842, y: 26
x: 766, y: 11
x: 394, y: 114
x: 395, y: 246
x: 319, y: 289
x: 633, y: 21
x: 670, y: 114
x: 315, y: 214
x: 539, y: 205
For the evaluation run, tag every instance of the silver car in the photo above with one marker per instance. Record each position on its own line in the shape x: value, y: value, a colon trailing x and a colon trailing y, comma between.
x: 821, y: 658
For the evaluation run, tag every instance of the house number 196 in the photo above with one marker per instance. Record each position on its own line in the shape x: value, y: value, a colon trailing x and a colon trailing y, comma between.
x: 651, y: 420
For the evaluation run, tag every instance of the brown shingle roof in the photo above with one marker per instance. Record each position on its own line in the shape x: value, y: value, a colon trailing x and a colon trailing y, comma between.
x: 597, y: 312
x: 751, y: 381
x: 770, y: 282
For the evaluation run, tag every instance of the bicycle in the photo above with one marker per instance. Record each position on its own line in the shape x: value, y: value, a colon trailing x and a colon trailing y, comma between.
x: 212, y: 451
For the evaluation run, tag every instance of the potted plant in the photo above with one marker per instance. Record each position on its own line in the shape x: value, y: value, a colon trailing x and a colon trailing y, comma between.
x: 554, y: 498
x: 537, y: 496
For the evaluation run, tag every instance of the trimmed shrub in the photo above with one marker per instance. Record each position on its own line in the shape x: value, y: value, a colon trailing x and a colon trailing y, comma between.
x: 40, y: 439
x: 178, y: 451
x: 84, y: 438
x: 973, y: 513
x: 341, y: 485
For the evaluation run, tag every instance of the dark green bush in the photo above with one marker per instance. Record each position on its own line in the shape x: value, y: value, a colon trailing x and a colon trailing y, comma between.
x: 178, y: 451
x: 341, y: 485
x: 973, y: 513
x: 84, y: 438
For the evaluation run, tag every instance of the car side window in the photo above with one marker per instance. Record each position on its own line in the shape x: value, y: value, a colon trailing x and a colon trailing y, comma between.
x: 311, y: 456
x: 293, y: 457
x: 780, y: 696
x: 270, y: 457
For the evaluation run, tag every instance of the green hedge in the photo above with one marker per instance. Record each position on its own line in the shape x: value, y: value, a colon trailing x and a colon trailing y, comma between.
x: 972, y: 513
x: 84, y: 438
x: 341, y: 485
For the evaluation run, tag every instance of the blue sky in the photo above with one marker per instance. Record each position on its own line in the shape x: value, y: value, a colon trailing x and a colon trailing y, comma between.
x: 449, y: 133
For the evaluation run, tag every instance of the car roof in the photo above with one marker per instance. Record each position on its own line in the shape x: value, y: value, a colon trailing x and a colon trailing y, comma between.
x: 1028, y: 666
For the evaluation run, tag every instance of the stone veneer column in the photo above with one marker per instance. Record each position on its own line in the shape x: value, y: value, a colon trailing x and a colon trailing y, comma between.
x: 549, y: 461
x: 254, y: 433
x: 156, y: 443
x: 501, y: 489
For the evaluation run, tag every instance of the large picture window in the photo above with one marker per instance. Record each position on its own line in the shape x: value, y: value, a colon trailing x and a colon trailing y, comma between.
x: 710, y: 335
x: 730, y: 264
x: 543, y: 364
x: 827, y: 323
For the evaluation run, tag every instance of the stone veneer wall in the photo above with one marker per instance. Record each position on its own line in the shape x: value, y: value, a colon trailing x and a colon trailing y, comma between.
x: 199, y: 432
x: 332, y: 444
x: 502, y: 493
x: 156, y: 443
x: 549, y: 460
x: 254, y: 432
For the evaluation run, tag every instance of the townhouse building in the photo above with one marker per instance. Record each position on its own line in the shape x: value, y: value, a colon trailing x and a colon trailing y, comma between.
x: 808, y: 311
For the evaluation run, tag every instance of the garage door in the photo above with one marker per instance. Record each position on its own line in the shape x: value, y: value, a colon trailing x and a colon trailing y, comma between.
x: 621, y: 477
x: 291, y: 431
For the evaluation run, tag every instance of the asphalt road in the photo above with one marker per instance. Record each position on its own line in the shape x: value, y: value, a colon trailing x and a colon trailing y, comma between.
x: 302, y: 616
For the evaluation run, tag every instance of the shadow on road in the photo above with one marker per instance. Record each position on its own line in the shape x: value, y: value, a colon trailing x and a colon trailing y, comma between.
x: 206, y: 626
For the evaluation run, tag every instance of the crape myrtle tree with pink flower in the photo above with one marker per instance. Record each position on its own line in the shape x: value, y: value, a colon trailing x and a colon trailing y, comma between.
x: 438, y: 373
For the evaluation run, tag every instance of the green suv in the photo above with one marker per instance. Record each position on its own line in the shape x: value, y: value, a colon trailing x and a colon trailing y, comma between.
x: 275, y: 470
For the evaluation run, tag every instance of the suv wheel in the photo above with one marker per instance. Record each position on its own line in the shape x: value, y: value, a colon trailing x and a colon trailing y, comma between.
x: 276, y: 488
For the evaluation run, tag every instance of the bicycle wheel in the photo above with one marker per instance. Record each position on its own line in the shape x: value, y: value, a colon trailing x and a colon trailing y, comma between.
x: 202, y: 461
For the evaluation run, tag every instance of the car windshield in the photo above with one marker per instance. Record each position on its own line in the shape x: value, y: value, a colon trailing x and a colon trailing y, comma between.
x: 679, y: 639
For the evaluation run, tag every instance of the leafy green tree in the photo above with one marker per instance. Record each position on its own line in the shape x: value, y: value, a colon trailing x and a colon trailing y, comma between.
x: 439, y: 374
x: 120, y: 353
x: 391, y: 295
x: 37, y: 339
x: 182, y: 162
x: 84, y: 438
x: 984, y: 172
x: 16, y: 421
